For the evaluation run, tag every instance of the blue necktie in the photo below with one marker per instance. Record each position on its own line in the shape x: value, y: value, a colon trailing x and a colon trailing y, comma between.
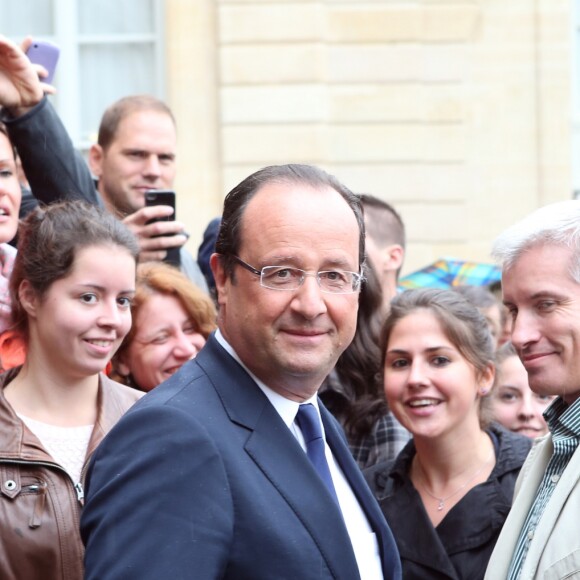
x: 309, y: 423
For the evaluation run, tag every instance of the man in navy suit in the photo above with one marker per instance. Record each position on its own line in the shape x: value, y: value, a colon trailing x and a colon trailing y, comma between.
x: 210, y: 475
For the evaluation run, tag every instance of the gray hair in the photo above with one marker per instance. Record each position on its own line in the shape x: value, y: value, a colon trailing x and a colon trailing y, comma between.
x: 554, y: 224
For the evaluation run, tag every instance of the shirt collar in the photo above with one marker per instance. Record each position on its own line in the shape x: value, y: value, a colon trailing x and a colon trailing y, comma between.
x: 287, y: 409
x: 561, y: 416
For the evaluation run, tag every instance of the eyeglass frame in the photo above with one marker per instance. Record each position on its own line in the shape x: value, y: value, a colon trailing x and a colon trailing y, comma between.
x: 359, y: 278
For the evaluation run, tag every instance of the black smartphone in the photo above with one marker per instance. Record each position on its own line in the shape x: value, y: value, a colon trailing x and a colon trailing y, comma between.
x: 165, y: 197
x: 46, y: 54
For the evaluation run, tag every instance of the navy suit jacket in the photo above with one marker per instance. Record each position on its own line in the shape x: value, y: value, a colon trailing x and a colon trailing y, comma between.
x: 202, y: 479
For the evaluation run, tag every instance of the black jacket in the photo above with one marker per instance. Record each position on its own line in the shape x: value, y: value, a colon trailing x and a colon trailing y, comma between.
x: 461, y: 545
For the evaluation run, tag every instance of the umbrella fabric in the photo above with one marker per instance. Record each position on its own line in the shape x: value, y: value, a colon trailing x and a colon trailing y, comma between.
x: 449, y: 272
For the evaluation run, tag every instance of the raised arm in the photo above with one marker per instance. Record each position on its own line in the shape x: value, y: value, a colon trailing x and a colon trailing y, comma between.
x: 54, y: 169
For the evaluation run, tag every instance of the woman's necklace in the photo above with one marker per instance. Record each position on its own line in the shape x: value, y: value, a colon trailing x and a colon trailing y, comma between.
x: 442, y: 500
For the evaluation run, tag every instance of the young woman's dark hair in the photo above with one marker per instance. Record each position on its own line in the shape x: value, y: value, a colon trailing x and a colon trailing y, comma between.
x: 50, y: 237
x: 355, y: 390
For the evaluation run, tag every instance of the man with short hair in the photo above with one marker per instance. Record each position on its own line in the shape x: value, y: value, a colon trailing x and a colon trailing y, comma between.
x: 136, y: 151
x: 385, y: 243
x: 233, y: 468
x: 540, y: 258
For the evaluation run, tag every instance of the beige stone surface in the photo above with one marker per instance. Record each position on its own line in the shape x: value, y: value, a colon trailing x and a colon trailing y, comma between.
x: 456, y: 111
x: 192, y: 94
x: 291, y: 103
x: 272, y: 22
x: 399, y: 22
x: 271, y: 63
x: 423, y: 183
x: 395, y: 102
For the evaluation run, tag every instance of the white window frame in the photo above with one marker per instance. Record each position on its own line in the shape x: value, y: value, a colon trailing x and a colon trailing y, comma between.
x: 576, y: 99
x: 69, y: 39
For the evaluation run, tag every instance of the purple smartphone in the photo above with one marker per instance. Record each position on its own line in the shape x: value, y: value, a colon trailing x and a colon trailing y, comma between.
x: 46, y: 54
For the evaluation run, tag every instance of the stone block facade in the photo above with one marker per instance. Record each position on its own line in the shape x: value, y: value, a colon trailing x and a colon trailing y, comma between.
x: 456, y: 111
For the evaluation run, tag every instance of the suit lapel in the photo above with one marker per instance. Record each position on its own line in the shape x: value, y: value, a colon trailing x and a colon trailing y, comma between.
x: 279, y: 456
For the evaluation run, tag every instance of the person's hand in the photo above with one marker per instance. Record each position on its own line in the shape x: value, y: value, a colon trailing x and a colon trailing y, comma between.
x: 153, y: 248
x: 21, y: 87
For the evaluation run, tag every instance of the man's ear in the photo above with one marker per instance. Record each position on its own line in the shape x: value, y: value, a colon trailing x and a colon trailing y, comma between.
x: 393, y: 257
x: 222, y: 280
x: 96, y: 160
x: 28, y: 298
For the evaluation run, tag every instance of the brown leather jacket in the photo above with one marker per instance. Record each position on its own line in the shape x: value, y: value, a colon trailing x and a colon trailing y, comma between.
x: 39, y: 503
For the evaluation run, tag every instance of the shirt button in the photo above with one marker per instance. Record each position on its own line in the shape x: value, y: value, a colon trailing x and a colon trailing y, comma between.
x: 530, y: 535
x: 555, y: 478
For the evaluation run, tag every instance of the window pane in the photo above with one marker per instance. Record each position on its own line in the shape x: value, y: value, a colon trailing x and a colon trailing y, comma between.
x: 32, y: 17
x: 116, y: 16
x: 109, y: 72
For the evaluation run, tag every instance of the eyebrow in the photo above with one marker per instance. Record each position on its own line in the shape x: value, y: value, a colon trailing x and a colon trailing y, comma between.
x: 429, y: 350
x: 90, y: 286
x: 338, y: 263
x: 541, y: 294
x: 151, y: 334
x: 148, y: 152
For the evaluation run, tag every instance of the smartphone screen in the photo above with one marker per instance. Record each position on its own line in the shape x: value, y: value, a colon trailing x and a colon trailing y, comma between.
x: 161, y: 197
x: 165, y: 197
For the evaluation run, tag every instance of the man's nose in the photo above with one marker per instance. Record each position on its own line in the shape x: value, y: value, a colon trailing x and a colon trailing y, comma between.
x: 152, y: 166
x: 309, y: 299
x: 524, y: 330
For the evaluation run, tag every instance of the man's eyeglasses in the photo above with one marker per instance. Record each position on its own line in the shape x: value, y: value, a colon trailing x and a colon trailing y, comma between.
x: 288, y: 278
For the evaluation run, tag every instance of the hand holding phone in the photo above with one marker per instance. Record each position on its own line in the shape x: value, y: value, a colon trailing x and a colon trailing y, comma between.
x: 46, y: 54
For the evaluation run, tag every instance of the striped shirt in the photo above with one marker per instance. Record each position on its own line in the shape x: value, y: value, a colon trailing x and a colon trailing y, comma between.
x: 564, y: 424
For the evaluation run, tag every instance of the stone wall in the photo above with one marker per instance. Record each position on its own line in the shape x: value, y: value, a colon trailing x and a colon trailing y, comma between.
x: 456, y: 111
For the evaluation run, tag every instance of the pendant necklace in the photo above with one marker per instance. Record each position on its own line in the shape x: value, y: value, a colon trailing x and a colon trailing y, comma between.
x: 441, y: 500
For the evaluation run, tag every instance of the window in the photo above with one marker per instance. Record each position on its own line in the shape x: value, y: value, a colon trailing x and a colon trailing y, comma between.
x: 109, y: 49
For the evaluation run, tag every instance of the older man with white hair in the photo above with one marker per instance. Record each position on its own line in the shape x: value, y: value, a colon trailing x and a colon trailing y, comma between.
x: 540, y: 259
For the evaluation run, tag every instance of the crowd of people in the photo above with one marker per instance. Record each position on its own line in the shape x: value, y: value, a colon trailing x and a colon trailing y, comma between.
x: 277, y: 407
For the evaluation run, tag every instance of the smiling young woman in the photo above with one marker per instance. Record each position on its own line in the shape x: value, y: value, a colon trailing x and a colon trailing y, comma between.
x: 71, y: 290
x: 513, y: 403
x: 448, y: 492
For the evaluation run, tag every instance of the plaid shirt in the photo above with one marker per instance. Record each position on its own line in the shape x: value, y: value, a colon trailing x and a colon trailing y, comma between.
x: 383, y: 443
